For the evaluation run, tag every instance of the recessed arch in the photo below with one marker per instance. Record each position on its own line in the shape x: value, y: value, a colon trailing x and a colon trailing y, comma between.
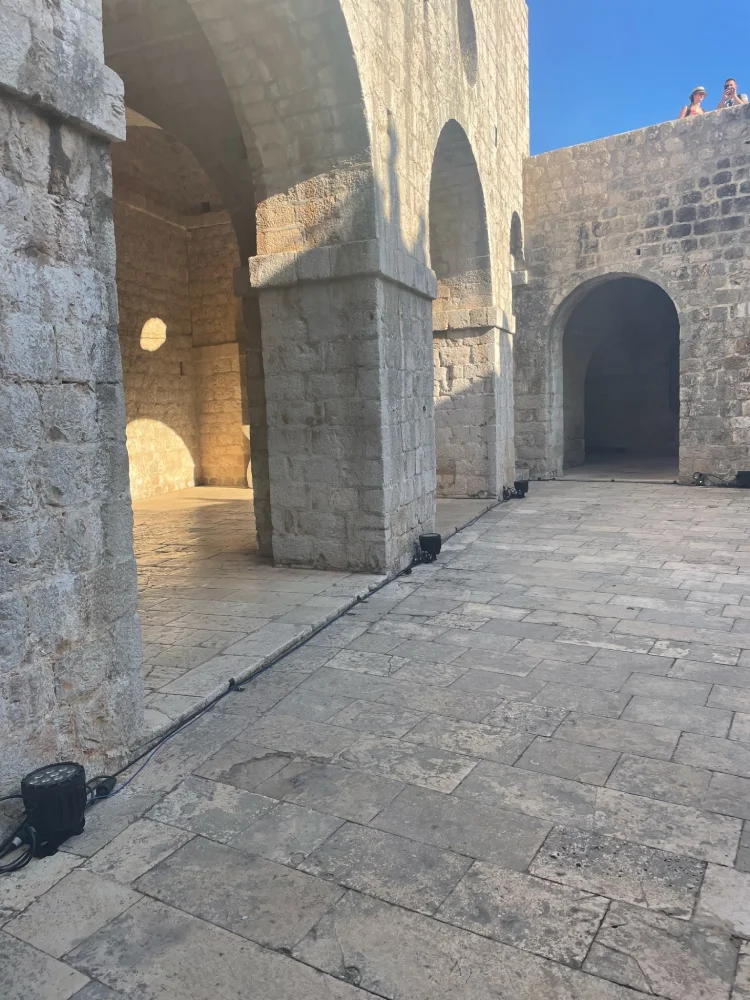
x: 458, y: 235
x: 465, y: 347
x: 616, y: 376
x: 517, y: 256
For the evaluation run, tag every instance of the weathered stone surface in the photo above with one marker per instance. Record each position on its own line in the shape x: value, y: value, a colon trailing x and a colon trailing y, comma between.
x: 161, y: 950
x: 286, y: 834
x: 725, y: 899
x: 633, y: 873
x: 392, y: 868
x: 338, y: 791
x: 487, y: 742
x: 677, y: 715
x: 255, y: 898
x: 527, y: 912
x: 470, y: 827
x: 557, y: 800
x: 667, y: 826
x: 289, y: 735
x: 135, y: 850
x: 23, y: 887
x: 388, y: 950
x: 657, y: 954
x: 540, y: 720
x: 714, y: 754
x: 728, y: 795
x: 615, y: 734
x: 569, y: 760
x: 417, y: 765
x: 27, y: 974
x: 243, y: 765
x: 72, y: 910
x: 660, y: 780
x: 210, y: 808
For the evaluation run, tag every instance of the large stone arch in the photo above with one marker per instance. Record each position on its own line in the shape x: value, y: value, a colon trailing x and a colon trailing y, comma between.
x: 289, y: 137
x: 540, y: 400
x: 466, y: 337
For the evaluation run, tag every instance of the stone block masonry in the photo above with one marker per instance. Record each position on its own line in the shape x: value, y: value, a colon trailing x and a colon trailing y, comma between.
x: 670, y: 204
x: 69, y: 637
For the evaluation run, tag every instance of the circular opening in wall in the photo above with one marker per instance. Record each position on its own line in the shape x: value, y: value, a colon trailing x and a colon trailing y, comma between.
x: 153, y: 334
x: 467, y: 37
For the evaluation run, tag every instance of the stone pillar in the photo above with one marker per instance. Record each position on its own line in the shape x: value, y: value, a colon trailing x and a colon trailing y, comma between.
x: 70, y: 682
x: 347, y: 345
x: 473, y: 403
x: 254, y: 406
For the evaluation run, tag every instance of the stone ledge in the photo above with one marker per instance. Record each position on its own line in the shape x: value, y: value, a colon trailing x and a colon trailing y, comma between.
x: 39, y: 68
x: 472, y: 319
x: 335, y: 263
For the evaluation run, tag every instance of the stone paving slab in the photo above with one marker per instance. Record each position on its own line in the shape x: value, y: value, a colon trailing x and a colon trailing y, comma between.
x: 657, y: 954
x: 157, y: 951
x: 392, y: 868
x: 340, y: 791
x: 70, y: 912
x: 257, y: 899
x: 473, y: 828
x: 27, y: 974
x: 557, y: 800
x: 634, y: 873
x: 393, y: 953
x: 527, y: 912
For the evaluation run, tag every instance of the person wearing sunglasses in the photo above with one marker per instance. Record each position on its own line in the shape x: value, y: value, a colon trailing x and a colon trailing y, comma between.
x: 730, y: 98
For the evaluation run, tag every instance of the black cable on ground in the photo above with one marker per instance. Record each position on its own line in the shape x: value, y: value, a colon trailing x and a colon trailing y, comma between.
x: 103, y: 786
x: 101, y: 781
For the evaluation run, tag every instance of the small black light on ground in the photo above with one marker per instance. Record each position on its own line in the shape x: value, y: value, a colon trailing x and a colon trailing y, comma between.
x: 743, y: 480
x: 521, y: 486
x: 430, y: 545
x: 55, y: 801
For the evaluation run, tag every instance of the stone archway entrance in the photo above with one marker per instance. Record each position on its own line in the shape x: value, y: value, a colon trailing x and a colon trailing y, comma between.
x: 620, y: 376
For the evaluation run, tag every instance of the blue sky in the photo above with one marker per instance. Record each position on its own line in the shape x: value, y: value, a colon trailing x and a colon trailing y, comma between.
x: 598, y: 68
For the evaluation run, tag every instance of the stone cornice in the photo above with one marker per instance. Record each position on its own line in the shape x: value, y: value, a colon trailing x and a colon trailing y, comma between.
x: 339, y: 262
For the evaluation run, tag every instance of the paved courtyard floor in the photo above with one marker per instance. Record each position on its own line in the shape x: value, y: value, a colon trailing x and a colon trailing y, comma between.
x: 626, y: 468
x: 522, y: 773
x: 212, y: 608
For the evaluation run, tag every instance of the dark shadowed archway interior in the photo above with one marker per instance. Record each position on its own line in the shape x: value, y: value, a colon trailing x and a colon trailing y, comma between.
x: 621, y: 377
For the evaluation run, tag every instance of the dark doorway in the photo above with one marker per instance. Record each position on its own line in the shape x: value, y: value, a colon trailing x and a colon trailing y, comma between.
x: 621, y: 377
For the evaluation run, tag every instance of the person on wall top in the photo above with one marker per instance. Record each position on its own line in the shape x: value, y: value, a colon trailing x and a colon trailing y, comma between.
x: 694, y: 106
x: 730, y: 98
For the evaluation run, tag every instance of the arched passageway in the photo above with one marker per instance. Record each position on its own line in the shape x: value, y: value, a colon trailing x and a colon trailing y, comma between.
x: 465, y: 345
x: 620, y: 373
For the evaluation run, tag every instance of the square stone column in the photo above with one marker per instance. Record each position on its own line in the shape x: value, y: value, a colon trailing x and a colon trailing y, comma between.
x: 70, y: 682
x: 473, y: 361
x: 347, y: 356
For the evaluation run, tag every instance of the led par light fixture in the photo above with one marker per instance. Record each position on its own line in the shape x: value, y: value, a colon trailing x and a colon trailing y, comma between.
x: 430, y: 546
x: 55, y: 801
x: 521, y: 486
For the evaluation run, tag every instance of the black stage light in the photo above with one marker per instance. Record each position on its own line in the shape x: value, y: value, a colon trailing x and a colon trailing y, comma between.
x: 430, y: 545
x: 743, y: 480
x: 521, y: 486
x: 55, y: 800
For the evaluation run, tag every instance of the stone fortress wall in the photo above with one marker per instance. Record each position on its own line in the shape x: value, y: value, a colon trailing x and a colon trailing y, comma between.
x: 669, y: 204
